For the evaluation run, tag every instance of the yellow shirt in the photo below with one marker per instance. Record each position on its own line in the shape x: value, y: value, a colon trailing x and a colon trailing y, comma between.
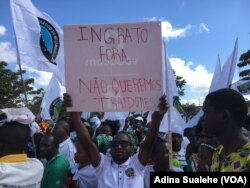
x: 238, y: 161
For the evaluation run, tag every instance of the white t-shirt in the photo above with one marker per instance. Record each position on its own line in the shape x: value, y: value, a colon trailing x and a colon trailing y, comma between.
x: 127, y: 175
x: 26, y: 174
x: 86, y: 177
x: 68, y: 149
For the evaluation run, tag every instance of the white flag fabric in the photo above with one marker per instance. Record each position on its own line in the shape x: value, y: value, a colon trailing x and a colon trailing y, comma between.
x: 172, y: 120
x: 115, y: 115
x: 221, y: 79
x: 224, y: 78
x: 216, y: 76
x: 228, y: 69
x: 242, y: 86
x: 39, y: 39
x: 51, y: 103
x: 214, y: 86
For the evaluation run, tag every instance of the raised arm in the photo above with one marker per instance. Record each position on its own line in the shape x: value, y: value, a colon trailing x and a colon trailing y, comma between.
x: 147, y: 144
x: 82, y: 133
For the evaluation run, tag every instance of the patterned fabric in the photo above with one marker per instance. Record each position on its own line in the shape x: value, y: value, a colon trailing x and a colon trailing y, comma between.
x: 235, y: 162
x: 181, y: 156
x: 134, y: 140
x: 104, y: 140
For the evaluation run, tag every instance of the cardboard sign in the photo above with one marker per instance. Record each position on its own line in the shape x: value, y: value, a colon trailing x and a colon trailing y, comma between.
x: 114, y: 67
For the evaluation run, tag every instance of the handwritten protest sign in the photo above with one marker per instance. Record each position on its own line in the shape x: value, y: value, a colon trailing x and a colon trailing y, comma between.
x: 114, y: 67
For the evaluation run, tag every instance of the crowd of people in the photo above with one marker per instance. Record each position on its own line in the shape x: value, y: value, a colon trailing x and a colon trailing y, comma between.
x: 76, y: 152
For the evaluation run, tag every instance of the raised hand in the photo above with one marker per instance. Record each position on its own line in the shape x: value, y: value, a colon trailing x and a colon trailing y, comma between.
x: 67, y: 101
x: 163, y: 105
x: 162, y: 108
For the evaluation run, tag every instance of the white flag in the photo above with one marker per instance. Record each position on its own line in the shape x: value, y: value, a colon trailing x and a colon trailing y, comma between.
x: 216, y: 76
x: 39, y: 39
x: 51, y: 104
x: 172, y: 120
x: 228, y: 69
x: 214, y: 86
x: 221, y: 79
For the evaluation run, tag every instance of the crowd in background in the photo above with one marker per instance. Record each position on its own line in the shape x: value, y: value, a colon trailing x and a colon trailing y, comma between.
x: 77, y: 152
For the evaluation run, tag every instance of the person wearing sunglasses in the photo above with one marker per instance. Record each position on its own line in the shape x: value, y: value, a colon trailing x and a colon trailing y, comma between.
x: 121, y: 169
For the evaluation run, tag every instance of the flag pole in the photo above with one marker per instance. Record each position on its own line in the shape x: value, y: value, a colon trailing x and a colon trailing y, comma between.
x: 26, y: 103
x: 25, y: 96
x: 24, y: 87
x: 21, y: 73
x: 170, y: 158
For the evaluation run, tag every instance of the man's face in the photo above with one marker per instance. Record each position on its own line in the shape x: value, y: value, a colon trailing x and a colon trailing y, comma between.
x: 59, y: 131
x: 176, y: 141
x: 138, y: 124
x: 47, y: 147
x: 106, y: 130
x: 121, y: 148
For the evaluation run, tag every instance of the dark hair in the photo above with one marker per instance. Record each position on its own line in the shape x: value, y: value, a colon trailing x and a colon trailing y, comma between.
x: 187, y: 131
x: 14, y: 136
x: 199, y: 128
x: 55, y: 139
x: 113, y: 124
x: 230, y: 100
x: 124, y: 133
x: 65, y: 124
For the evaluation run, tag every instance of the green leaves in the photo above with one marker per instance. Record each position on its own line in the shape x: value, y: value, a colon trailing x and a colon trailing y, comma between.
x: 12, y: 89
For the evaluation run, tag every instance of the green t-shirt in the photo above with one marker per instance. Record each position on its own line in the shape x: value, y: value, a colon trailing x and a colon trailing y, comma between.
x: 55, y: 172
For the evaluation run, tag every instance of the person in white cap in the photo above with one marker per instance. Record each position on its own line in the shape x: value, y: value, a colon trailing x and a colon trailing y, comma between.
x: 135, y: 123
x: 16, y: 169
x: 135, y: 127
